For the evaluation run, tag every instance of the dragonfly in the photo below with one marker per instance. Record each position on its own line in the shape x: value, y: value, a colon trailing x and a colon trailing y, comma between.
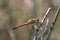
x: 37, y: 24
x: 30, y: 21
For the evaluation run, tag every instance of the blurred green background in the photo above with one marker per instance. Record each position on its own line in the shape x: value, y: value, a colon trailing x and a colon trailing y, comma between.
x: 16, y: 12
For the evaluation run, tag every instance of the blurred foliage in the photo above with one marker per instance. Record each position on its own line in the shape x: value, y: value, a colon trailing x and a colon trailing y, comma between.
x: 16, y: 12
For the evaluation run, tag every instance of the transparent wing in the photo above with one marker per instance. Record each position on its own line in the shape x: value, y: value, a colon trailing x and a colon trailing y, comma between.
x: 44, y: 26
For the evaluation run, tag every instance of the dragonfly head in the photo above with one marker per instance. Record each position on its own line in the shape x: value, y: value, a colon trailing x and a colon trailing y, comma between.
x: 34, y: 20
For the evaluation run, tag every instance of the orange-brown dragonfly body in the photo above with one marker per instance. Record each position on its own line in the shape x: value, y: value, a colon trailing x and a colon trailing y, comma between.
x: 30, y: 21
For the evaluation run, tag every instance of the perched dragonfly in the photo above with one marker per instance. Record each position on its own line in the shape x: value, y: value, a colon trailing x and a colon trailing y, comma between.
x: 30, y: 21
x: 36, y: 24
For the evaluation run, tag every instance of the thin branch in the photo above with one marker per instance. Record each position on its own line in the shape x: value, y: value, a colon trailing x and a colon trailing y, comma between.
x: 46, y: 15
x: 36, y: 32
